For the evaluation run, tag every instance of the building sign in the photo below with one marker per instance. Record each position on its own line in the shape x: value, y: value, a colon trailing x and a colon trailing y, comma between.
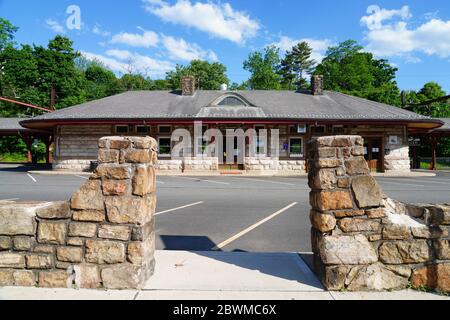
x: 393, y: 140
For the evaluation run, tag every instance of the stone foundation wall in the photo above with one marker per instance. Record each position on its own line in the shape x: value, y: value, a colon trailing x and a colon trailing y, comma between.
x: 260, y: 164
x: 200, y: 163
x: 292, y: 165
x: 102, y: 238
x: 72, y: 165
x: 363, y: 240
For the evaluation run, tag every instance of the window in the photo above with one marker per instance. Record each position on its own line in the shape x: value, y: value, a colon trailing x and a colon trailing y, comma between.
x: 231, y: 101
x: 142, y: 129
x: 122, y: 129
x: 338, y: 129
x: 300, y: 128
x: 296, y: 147
x: 260, y: 141
x: 164, y: 129
x: 165, y: 147
x: 319, y: 129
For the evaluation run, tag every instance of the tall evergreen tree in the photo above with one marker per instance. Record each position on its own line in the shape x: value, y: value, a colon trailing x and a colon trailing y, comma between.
x: 302, y: 63
x: 287, y: 70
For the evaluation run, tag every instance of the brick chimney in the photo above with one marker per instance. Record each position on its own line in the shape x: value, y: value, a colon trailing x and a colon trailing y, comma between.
x: 187, y: 86
x: 317, y: 85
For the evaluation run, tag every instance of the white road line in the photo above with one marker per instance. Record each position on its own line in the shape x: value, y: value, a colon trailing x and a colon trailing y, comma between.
x: 13, y: 199
x: 31, y: 177
x: 252, y: 227
x: 160, y: 182
x: 401, y: 184
x: 179, y: 208
x: 86, y: 178
x: 267, y: 181
x: 204, y: 180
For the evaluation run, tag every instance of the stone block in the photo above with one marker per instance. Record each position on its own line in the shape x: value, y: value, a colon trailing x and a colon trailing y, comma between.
x: 377, y: 277
x: 52, y: 232
x: 343, y: 250
x: 430, y: 232
x: 400, y: 252
x: 324, y: 179
x: 348, y: 213
x: 143, y: 143
x: 69, y: 254
x: 343, y: 183
x: 115, y: 187
x: 44, y: 249
x: 326, y: 152
x: 130, y: 209
x: 17, y: 220
x: 5, y: 243
x: 143, y: 232
x: 126, y: 276
x: 367, y: 192
x: 104, y: 252
x: 322, y: 222
x: 55, y: 279
x: 114, y: 232
x: 119, y: 144
x: 144, y: 180
x: 12, y: 260
x: 329, y: 163
x: 358, y: 225
x: 82, y: 229
x: 138, y: 156
x: 21, y: 278
x: 113, y: 171
x: 358, y: 151
x: 108, y: 156
x: 442, y: 248
x: 334, y: 277
x: 396, y: 232
x: 23, y: 243
x: 39, y: 261
x: 140, y: 252
x: 356, y: 165
x: 438, y: 215
x: 336, y: 200
x: 376, y: 213
x: 56, y: 210
x: 435, y: 276
x: 87, y: 276
x: 89, y: 197
x: 89, y: 216
x: 77, y: 242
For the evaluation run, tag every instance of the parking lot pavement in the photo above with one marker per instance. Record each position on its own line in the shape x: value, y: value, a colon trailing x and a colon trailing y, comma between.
x: 258, y: 214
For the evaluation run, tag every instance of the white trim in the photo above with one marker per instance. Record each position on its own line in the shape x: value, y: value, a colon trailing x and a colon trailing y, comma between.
x: 293, y: 155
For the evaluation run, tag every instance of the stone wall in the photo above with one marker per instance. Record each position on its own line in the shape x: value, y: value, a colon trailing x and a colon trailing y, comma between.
x: 102, y: 238
x: 363, y: 240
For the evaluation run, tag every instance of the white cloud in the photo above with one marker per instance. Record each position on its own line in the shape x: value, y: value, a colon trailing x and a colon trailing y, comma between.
x: 145, y: 40
x: 179, y: 49
x: 397, y: 38
x: 318, y: 46
x: 55, y: 26
x: 98, y: 31
x: 377, y: 15
x: 123, y: 61
x: 218, y: 20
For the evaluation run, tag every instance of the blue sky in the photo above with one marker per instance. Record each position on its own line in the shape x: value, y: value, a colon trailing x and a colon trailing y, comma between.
x: 151, y: 36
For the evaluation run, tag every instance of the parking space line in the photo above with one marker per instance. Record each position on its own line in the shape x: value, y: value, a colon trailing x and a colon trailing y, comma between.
x: 268, y: 181
x: 204, y: 180
x: 179, y: 208
x: 86, y: 178
x: 252, y: 227
x: 12, y: 199
x: 31, y: 177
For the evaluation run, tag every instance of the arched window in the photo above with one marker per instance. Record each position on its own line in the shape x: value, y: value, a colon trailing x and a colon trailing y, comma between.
x: 232, y: 101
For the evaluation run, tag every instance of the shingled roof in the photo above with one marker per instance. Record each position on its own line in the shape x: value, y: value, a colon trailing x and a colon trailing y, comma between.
x: 260, y: 105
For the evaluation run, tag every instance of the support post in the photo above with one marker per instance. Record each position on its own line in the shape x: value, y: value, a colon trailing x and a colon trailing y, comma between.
x: 27, y: 139
x: 433, y: 164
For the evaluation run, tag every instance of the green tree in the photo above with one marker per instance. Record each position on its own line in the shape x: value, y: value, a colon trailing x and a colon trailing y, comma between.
x: 7, y: 33
x: 286, y: 70
x: 100, y: 82
x: 264, y: 69
x: 347, y: 68
x: 302, y: 63
x: 208, y: 76
x: 133, y: 82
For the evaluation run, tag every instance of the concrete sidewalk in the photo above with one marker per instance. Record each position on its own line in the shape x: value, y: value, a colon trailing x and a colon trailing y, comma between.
x: 183, y: 275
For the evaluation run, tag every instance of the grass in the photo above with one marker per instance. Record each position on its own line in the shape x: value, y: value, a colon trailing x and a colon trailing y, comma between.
x: 439, y: 166
x: 15, y: 158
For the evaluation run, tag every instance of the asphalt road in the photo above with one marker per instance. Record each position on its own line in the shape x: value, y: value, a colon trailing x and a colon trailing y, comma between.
x: 234, y: 213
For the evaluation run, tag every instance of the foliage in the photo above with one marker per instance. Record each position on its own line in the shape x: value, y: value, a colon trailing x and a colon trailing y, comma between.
x: 347, y: 68
x: 7, y: 31
x: 208, y: 76
x: 264, y: 69
x: 301, y: 63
